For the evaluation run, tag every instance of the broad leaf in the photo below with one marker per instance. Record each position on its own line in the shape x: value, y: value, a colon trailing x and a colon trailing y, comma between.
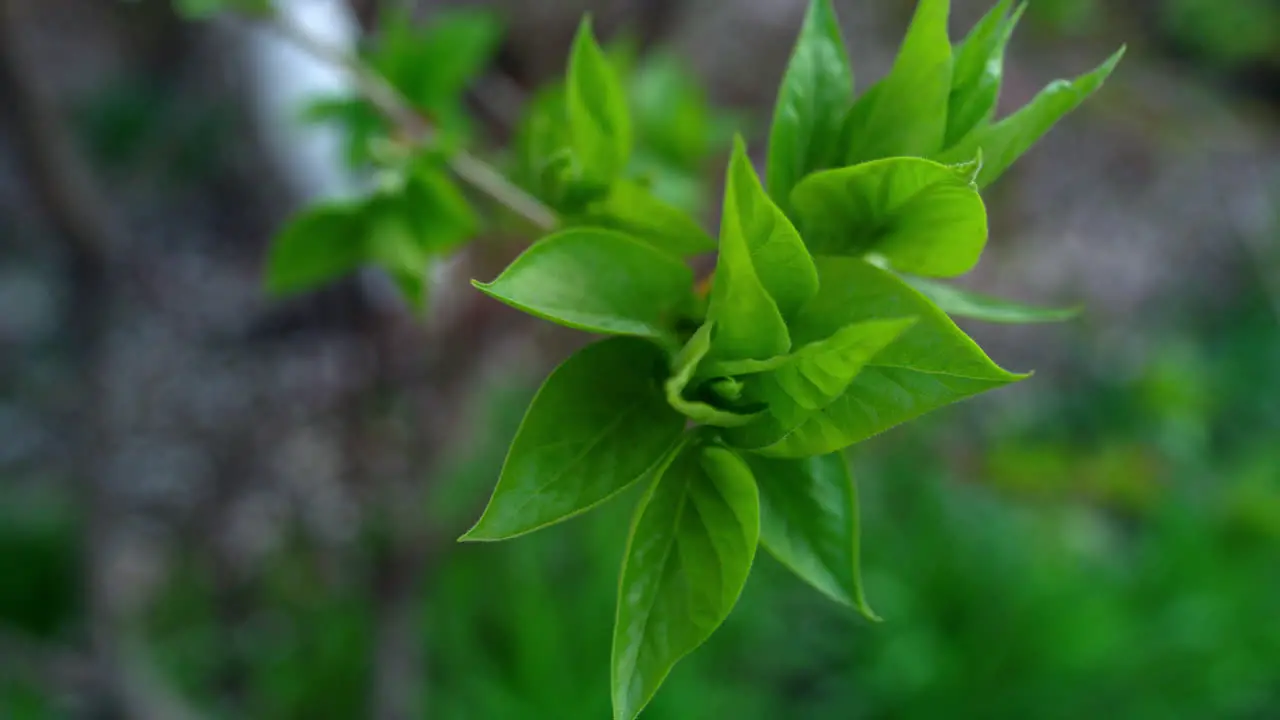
x: 321, y: 244
x: 599, y: 424
x: 599, y: 121
x: 906, y: 114
x: 959, y: 302
x: 596, y: 280
x: 923, y: 217
x: 1005, y: 141
x: 933, y: 364
x: 748, y: 320
x: 683, y: 369
x: 812, y: 378
x: 691, y: 547
x: 816, y: 92
x: 779, y: 255
x: 979, y: 70
x: 809, y: 521
x: 634, y: 210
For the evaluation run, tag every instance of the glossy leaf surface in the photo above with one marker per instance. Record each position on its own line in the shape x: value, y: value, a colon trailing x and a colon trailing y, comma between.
x: 809, y: 522
x: 923, y: 217
x: 932, y: 364
x: 596, y: 280
x: 683, y: 370
x: 599, y: 424
x: 906, y: 114
x: 692, y: 543
x: 816, y: 92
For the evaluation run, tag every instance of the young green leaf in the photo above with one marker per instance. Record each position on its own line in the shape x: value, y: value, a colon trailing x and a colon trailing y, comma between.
x: 816, y: 91
x: 1006, y: 141
x: 436, y: 211
x: 809, y: 522
x: 391, y: 243
x: 634, y: 210
x: 692, y: 543
x: 599, y: 424
x: 749, y: 321
x: 923, y: 217
x: 599, y: 122
x: 812, y: 378
x: 683, y: 369
x: 596, y: 280
x: 958, y: 302
x: 320, y: 244
x: 933, y: 364
x: 979, y: 70
x: 907, y: 113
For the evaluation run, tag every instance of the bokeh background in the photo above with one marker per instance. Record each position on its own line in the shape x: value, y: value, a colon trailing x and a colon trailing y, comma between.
x: 216, y: 504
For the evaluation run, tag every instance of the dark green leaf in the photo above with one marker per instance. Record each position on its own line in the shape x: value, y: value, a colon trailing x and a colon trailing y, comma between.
x: 812, y: 378
x: 456, y: 48
x: 682, y: 372
x: 933, y: 364
x: 815, y: 94
x: 599, y: 121
x: 749, y: 322
x: 691, y: 547
x: 906, y: 113
x: 320, y: 244
x: 1005, y: 141
x: 923, y: 217
x: 809, y: 521
x: 979, y: 70
x: 599, y: 424
x: 674, y: 121
x: 958, y: 302
x: 596, y: 280
x: 436, y: 211
x: 634, y: 210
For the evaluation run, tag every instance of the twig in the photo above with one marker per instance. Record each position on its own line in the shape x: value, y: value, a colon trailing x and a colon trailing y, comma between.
x: 411, y: 125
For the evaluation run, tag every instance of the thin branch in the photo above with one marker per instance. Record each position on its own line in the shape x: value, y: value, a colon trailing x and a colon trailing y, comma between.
x: 411, y: 125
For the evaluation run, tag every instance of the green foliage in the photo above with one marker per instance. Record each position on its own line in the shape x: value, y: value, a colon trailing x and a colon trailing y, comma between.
x: 816, y: 92
x: 687, y: 559
x: 807, y: 340
x: 977, y: 306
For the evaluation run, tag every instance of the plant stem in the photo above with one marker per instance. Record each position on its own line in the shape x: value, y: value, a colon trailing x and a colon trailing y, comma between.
x: 411, y: 125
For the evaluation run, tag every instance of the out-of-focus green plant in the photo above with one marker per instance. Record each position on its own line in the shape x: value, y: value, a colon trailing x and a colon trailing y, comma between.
x: 729, y: 400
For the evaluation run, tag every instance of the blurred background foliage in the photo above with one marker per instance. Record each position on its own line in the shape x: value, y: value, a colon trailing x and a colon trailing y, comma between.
x: 1102, y: 540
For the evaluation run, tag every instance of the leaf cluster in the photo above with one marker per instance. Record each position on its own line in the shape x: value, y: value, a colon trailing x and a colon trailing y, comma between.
x: 731, y: 400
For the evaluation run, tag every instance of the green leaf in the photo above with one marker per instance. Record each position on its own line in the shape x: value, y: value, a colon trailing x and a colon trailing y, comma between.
x: 750, y: 325
x: 906, y: 113
x: 634, y: 210
x: 683, y: 369
x: 596, y: 280
x: 809, y: 522
x: 812, y: 378
x: 1005, y: 141
x: 599, y: 424
x: 436, y: 211
x: 933, y: 364
x: 318, y: 245
x: 674, y: 121
x: 691, y: 546
x: 392, y: 244
x: 923, y: 217
x: 599, y: 121
x: 979, y: 71
x: 455, y: 48
x: 815, y: 94
x: 958, y: 302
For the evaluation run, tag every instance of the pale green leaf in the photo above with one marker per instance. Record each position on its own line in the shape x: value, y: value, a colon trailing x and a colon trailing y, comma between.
x: 922, y: 216
x: 979, y: 71
x: 959, y: 302
x: 599, y: 121
x: 683, y: 369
